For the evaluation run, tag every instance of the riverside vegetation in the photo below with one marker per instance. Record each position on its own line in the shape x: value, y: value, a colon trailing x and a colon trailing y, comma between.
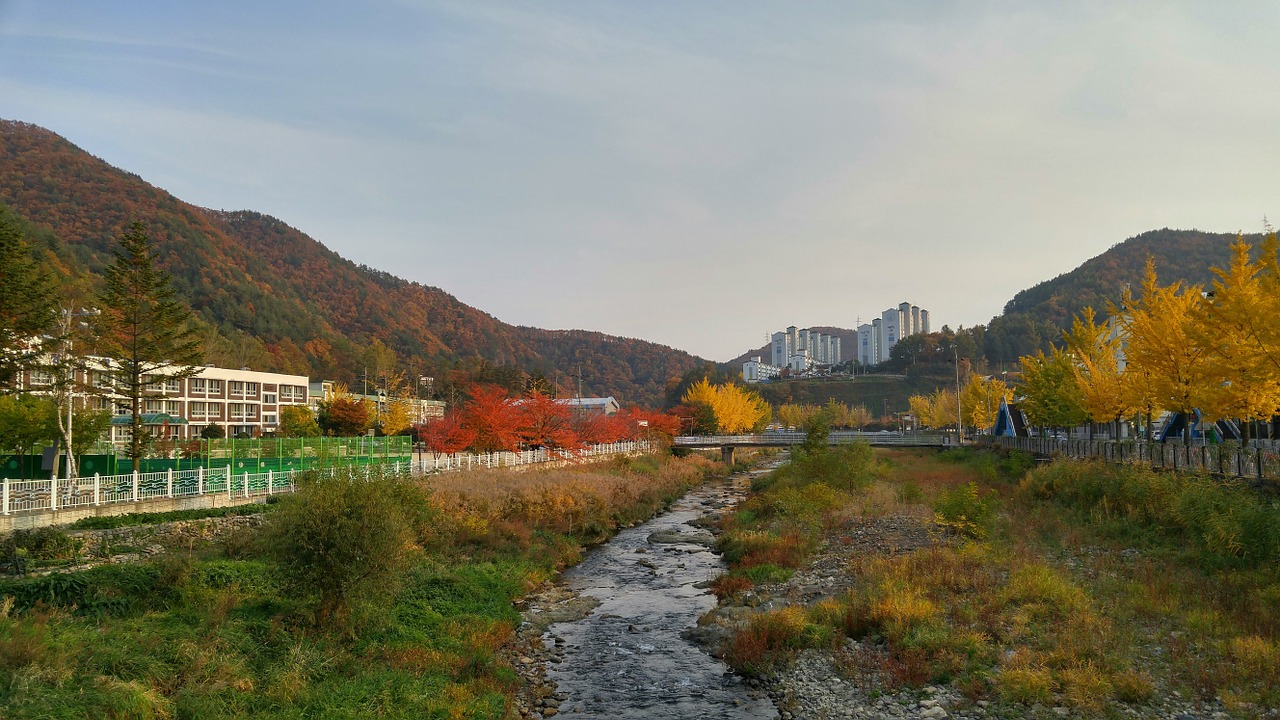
x: 1068, y: 589
x: 388, y: 598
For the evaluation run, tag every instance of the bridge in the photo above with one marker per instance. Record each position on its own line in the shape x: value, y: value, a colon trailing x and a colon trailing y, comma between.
x: 727, y: 443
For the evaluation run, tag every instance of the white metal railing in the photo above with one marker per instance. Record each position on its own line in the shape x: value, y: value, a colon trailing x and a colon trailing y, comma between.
x: 21, y: 496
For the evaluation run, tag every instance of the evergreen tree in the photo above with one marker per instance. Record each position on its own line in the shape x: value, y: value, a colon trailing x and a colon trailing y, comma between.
x: 145, y: 332
x: 28, y: 307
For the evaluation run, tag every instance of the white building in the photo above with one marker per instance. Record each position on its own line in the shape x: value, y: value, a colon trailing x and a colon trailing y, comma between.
x: 754, y: 371
x: 239, y: 401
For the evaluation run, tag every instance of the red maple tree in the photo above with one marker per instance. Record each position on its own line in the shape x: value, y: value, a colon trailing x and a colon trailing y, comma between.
x: 446, y: 435
x: 494, y: 419
x: 546, y: 423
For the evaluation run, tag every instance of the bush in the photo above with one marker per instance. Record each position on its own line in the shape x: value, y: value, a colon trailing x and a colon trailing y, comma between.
x: 1229, y: 524
x: 46, y: 543
x: 341, y: 542
x: 965, y: 511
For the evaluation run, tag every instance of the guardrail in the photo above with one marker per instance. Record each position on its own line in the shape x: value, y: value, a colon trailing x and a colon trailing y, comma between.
x: 1253, y: 463
x: 795, y: 438
x: 26, y: 496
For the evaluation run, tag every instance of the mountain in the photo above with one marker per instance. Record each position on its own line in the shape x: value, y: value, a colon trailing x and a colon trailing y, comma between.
x: 1037, y: 316
x: 276, y: 299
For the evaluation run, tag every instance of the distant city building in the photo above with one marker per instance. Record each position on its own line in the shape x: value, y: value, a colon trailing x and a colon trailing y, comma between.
x: 754, y: 371
x: 816, y: 347
x: 896, y: 323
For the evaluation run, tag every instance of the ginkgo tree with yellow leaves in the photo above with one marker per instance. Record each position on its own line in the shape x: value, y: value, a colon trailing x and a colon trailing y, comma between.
x: 980, y: 401
x: 736, y: 409
x: 1097, y: 370
x: 1171, y: 348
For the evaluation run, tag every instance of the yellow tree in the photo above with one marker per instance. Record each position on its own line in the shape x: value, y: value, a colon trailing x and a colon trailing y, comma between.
x: 980, y: 400
x: 859, y: 416
x: 1096, y: 367
x: 841, y: 415
x: 793, y: 415
x: 1236, y: 328
x: 936, y: 410
x: 1050, y: 396
x: 1160, y: 342
x: 736, y: 410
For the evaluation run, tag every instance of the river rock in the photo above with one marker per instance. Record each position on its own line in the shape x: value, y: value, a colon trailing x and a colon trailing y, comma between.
x: 674, y: 537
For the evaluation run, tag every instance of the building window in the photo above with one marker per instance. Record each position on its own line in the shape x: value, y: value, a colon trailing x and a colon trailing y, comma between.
x: 198, y: 385
x: 269, y: 419
x: 215, y: 387
x: 173, y: 385
x: 171, y: 407
x: 40, y: 377
x: 269, y: 398
x: 251, y: 389
x: 102, y: 381
x: 237, y: 388
x: 196, y: 410
x: 152, y: 406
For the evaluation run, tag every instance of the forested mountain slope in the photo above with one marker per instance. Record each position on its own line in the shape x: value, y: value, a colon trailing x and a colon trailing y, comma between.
x: 279, y: 299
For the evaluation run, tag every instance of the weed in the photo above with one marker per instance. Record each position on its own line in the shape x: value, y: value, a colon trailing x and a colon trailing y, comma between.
x: 1132, y: 687
x: 965, y: 511
x: 1025, y: 685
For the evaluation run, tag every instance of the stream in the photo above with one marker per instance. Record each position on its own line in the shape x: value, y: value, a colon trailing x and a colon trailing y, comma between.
x: 627, y: 659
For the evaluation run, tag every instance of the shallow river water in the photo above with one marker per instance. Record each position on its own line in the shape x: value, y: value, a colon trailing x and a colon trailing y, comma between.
x: 627, y: 659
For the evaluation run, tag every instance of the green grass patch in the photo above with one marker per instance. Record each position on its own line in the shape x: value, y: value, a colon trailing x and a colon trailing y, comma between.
x: 107, y: 522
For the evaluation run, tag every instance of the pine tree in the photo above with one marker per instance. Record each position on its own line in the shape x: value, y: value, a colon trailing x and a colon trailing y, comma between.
x: 28, y: 309
x: 145, y: 332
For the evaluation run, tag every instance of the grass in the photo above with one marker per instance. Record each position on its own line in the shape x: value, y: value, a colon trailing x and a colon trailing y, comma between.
x: 1076, y: 584
x: 207, y: 635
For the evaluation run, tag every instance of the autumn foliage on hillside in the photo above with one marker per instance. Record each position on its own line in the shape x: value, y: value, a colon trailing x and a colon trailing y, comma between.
x: 493, y: 421
x: 275, y: 299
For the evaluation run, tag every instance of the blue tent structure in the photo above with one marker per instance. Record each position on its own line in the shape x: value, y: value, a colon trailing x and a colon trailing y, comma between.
x: 1218, y: 432
x: 1009, y: 421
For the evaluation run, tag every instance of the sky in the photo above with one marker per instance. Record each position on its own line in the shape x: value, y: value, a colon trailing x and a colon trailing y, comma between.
x: 694, y: 174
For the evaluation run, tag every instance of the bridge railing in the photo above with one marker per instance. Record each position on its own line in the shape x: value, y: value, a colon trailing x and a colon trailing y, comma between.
x: 777, y: 439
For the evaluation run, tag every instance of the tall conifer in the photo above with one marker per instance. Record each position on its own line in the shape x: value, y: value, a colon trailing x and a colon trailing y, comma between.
x: 145, y: 331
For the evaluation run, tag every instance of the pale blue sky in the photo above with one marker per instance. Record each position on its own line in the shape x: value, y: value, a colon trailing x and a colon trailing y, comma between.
x: 695, y: 174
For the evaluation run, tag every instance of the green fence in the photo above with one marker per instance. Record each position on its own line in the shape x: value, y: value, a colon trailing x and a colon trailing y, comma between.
x: 242, y: 455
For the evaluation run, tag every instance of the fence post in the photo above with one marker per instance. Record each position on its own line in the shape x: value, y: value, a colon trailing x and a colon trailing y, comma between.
x: 5, y: 498
x: 200, y: 480
x: 246, y: 483
x: 53, y: 494
x: 229, y: 482
x: 97, y: 489
x: 169, y: 482
x: 135, y: 486
x: 270, y: 481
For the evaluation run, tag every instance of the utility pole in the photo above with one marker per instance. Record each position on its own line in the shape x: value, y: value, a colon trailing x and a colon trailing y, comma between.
x: 959, y: 421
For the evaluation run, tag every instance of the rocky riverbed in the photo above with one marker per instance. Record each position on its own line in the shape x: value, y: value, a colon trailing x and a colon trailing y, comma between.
x: 849, y: 681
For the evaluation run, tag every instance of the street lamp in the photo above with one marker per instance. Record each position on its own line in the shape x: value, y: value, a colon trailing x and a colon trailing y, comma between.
x: 959, y: 420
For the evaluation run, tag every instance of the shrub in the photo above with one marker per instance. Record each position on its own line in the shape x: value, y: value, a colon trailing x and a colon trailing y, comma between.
x: 965, y: 511
x: 770, y: 638
x: 341, y: 542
